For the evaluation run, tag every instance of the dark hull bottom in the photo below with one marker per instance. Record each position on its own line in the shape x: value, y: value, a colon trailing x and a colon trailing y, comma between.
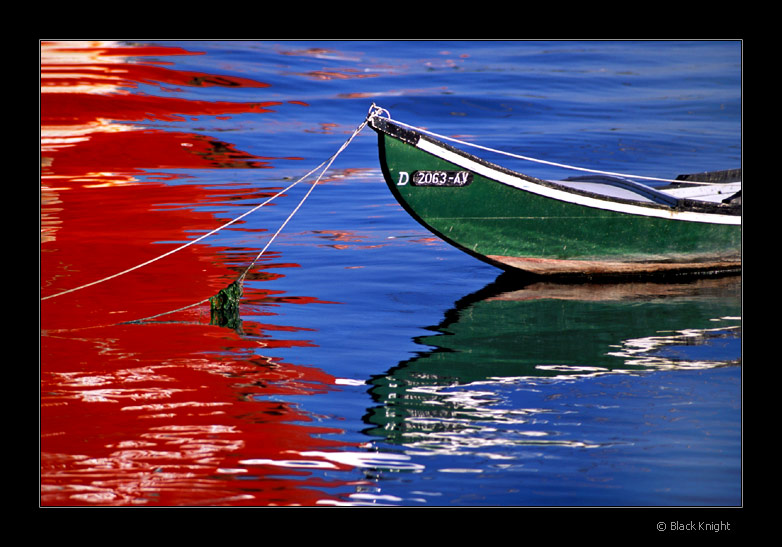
x: 605, y: 268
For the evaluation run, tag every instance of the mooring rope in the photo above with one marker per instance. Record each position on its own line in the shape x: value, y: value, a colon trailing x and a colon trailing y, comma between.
x: 327, y: 164
x: 378, y: 110
x: 325, y: 167
x: 240, y: 280
x: 148, y: 262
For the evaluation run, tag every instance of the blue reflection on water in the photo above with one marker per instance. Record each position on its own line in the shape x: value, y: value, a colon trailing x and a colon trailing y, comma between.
x: 582, y: 434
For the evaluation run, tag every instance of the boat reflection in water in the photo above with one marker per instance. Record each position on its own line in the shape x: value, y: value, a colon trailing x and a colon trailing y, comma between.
x: 447, y: 398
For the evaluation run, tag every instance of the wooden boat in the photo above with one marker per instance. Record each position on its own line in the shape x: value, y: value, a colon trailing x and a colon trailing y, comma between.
x: 593, y: 225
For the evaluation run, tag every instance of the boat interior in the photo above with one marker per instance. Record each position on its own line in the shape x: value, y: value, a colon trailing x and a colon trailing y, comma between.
x: 717, y: 188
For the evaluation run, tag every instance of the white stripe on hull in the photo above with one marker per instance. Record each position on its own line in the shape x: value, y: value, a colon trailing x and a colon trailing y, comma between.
x: 577, y: 199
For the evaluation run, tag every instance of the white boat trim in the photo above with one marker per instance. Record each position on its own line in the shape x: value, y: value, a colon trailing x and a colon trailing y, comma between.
x: 508, y: 179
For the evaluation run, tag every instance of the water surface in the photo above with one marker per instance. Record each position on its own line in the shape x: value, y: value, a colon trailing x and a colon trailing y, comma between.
x: 372, y: 363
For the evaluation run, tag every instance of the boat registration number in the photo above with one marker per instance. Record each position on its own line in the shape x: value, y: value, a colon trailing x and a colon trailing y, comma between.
x: 441, y: 178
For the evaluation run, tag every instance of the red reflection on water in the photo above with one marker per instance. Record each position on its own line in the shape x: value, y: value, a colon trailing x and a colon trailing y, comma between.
x: 138, y: 151
x: 66, y: 70
x: 160, y: 413
x: 70, y: 107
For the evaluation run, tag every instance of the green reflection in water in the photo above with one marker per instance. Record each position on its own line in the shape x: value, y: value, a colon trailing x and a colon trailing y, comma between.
x: 547, y: 332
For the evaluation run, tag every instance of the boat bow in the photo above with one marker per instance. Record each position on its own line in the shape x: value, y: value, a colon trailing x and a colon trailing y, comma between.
x: 598, y: 224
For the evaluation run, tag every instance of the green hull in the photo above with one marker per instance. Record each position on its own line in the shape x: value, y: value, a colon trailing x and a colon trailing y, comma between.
x: 491, y: 216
